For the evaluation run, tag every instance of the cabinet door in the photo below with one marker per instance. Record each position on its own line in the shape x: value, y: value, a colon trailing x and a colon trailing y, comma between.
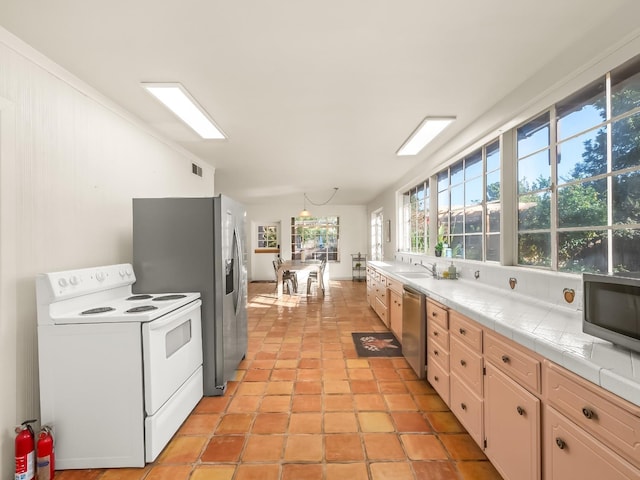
x: 570, y: 452
x: 512, y: 427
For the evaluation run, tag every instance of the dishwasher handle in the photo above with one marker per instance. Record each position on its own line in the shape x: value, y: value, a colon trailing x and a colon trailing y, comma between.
x: 412, y: 292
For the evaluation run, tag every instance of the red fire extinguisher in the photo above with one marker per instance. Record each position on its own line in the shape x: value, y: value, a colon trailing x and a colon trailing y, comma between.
x: 46, y: 454
x: 25, y: 451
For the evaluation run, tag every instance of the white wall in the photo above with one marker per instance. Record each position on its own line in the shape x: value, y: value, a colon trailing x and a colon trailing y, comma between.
x: 353, y: 232
x: 70, y: 163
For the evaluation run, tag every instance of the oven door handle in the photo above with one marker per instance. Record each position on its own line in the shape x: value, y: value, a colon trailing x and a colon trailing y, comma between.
x: 171, y: 317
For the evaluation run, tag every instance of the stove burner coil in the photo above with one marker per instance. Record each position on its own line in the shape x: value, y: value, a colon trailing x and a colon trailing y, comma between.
x: 168, y: 297
x: 142, y: 308
x: 94, y: 311
x: 140, y: 297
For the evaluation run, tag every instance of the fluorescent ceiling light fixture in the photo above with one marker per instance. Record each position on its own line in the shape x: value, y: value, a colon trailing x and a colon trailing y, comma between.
x: 176, y: 98
x: 421, y: 136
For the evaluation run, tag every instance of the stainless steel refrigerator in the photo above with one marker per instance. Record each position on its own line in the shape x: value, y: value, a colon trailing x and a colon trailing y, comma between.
x: 198, y: 245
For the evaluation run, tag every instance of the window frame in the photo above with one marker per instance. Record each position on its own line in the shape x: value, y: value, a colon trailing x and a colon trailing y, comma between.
x: 600, y: 233
x: 416, y: 220
x: 272, y: 242
x: 458, y: 240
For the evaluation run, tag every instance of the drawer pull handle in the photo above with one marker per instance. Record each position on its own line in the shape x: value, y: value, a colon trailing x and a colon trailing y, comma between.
x: 505, y: 359
x: 588, y: 413
x: 434, y: 314
x: 435, y: 334
x: 462, y: 331
x: 520, y: 410
x: 435, y: 352
x: 436, y: 378
x: 560, y: 443
x: 463, y: 363
x: 463, y: 406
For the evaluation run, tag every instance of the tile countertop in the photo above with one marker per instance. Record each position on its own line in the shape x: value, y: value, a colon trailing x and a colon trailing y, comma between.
x: 553, y: 331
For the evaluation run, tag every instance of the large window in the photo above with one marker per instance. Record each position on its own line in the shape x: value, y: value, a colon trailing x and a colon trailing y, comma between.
x: 315, y: 238
x: 576, y: 188
x: 469, y: 205
x: 579, y: 179
x: 415, y: 205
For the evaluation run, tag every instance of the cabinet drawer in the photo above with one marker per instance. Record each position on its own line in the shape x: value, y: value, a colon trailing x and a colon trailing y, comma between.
x: 466, y: 364
x: 466, y: 330
x: 394, y: 285
x: 438, y: 335
x: 438, y: 314
x: 570, y: 452
x: 513, y: 360
x: 439, y: 355
x: 439, y: 379
x: 467, y: 407
x: 384, y: 316
x: 613, y: 421
x: 381, y: 310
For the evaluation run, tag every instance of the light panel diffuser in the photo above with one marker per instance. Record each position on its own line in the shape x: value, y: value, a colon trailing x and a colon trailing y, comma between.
x: 428, y: 129
x: 176, y: 98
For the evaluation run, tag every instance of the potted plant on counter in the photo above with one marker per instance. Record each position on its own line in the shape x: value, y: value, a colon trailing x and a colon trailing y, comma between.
x: 442, y: 241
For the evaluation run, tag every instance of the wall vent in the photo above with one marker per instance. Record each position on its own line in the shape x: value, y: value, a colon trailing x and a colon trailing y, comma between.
x: 196, y: 170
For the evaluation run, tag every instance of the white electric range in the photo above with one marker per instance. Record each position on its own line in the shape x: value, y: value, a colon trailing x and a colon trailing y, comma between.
x: 119, y: 372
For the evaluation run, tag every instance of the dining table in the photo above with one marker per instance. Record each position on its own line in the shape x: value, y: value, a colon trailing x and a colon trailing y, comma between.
x: 307, y: 266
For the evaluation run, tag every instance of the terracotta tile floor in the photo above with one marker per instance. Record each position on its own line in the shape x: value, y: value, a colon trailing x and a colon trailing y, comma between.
x: 305, y: 407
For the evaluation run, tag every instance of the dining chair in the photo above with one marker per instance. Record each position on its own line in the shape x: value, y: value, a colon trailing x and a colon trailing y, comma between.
x: 289, y: 278
x: 315, y: 276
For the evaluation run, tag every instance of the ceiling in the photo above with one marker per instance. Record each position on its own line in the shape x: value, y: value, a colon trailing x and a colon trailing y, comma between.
x: 312, y: 95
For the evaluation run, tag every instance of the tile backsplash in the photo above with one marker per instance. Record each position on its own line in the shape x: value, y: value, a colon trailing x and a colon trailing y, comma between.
x: 538, y: 284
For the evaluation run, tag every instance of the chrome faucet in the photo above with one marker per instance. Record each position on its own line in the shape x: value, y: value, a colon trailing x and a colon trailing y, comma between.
x: 431, y: 268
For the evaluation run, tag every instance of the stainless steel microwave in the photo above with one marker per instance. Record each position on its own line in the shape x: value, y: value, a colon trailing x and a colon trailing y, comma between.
x: 611, y: 308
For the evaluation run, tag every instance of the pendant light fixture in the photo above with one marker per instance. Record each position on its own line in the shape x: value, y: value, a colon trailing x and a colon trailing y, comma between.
x: 306, y: 213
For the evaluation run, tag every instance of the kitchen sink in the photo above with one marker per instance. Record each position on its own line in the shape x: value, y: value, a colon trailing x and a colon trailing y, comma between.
x: 414, y: 275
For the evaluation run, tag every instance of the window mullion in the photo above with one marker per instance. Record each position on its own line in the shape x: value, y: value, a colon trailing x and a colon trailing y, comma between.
x: 553, y: 159
x: 609, y: 176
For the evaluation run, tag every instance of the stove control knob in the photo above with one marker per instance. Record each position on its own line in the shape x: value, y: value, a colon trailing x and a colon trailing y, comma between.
x: 100, y: 276
x: 121, y: 273
x: 129, y: 272
x: 73, y: 280
x: 63, y: 282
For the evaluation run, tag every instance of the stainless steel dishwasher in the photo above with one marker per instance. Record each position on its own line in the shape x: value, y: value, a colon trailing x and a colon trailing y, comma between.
x: 414, y: 344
